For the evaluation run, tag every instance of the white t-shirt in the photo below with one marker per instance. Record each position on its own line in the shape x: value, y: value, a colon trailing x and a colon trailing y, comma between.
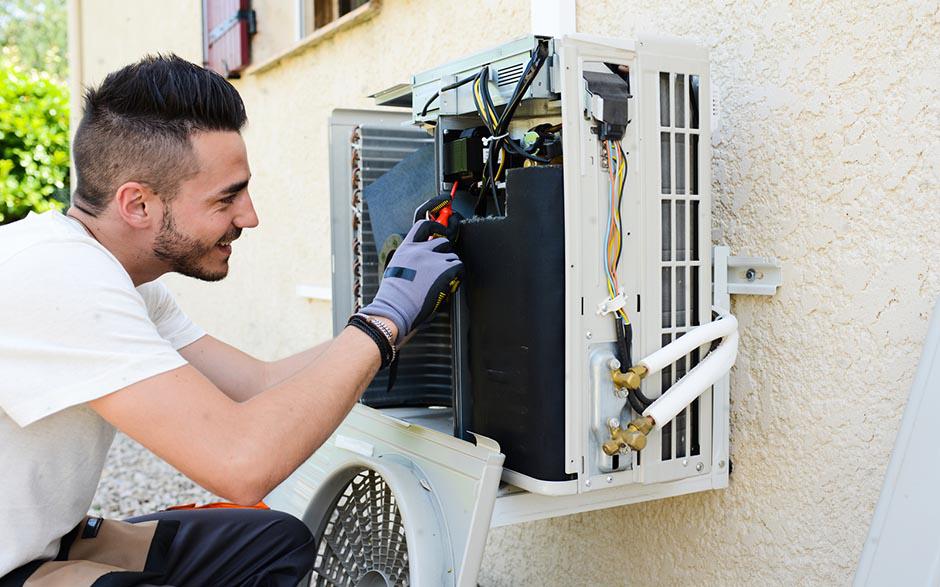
x: 73, y: 328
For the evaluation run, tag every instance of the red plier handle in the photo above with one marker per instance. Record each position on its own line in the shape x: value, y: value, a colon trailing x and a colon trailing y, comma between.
x: 443, y: 214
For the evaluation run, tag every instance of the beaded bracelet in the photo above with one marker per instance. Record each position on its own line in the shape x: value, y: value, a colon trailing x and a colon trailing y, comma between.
x: 387, y: 350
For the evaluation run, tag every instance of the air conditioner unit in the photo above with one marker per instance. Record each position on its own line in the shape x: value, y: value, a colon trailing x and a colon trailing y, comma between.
x: 588, y: 207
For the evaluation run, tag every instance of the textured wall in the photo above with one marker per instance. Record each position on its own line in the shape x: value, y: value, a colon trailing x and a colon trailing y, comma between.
x: 826, y: 157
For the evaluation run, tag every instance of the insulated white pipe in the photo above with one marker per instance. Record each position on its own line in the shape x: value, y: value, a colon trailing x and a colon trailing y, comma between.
x: 704, y: 375
x: 690, y: 341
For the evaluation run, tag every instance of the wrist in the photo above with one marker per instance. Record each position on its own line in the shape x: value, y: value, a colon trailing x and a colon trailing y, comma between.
x: 380, y: 333
x: 388, y: 323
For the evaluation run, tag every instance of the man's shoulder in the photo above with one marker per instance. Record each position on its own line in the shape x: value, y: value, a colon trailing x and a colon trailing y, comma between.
x: 44, y: 241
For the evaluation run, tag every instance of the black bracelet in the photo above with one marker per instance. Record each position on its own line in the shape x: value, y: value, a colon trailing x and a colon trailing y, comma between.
x: 385, y: 347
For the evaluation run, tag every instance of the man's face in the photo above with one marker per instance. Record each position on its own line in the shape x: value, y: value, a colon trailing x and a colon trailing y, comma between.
x: 209, y: 211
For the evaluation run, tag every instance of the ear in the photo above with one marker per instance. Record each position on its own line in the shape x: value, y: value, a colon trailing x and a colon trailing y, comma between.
x: 138, y: 205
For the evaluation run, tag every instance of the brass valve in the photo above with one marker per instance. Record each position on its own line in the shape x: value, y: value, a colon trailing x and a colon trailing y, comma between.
x: 631, y: 379
x: 633, y: 436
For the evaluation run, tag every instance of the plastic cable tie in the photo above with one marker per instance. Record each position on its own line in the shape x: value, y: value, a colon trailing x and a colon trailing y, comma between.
x: 612, y: 304
x: 487, y: 140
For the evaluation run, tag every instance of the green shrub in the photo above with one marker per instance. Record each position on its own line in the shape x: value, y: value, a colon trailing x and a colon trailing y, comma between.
x: 34, y: 140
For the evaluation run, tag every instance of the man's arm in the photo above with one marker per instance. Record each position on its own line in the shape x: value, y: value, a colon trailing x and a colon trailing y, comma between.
x: 239, y: 375
x: 241, y: 451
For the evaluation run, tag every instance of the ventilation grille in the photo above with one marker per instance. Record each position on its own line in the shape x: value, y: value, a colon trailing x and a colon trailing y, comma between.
x: 509, y: 75
x: 364, y: 541
x: 682, y: 224
x: 425, y: 366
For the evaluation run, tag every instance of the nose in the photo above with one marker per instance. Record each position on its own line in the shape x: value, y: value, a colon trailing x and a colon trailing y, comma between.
x: 247, y: 217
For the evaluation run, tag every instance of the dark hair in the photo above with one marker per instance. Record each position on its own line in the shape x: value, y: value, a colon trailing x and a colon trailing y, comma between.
x: 137, y: 126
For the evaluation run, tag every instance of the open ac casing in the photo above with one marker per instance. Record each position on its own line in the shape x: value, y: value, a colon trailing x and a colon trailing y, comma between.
x: 665, y: 271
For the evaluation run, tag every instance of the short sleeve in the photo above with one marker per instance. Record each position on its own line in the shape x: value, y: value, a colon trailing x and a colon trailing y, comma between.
x: 172, y: 324
x: 74, y: 329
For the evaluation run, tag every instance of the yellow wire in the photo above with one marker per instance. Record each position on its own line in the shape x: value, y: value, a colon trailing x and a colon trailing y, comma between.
x: 617, y: 161
x: 502, y: 163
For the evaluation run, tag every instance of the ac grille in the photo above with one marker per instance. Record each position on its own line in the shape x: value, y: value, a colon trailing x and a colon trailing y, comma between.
x: 681, y: 225
x: 509, y: 75
x: 425, y: 366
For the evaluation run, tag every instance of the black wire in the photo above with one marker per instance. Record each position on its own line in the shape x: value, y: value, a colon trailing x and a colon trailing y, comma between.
x: 495, y: 146
x: 528, y: 76
x: 638, y: 406
x: 456, y: 84
x: 520, y: 151
x: 493, y: 179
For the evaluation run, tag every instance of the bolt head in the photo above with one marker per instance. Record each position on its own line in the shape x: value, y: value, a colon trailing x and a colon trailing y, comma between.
x: 699, y: 467
x: 750, y: 274
x: 587, y: 483
x: 610, y: 479
x: 685, y: 462
x: 588, y: 335
x: 613, y: 423
x: 721, y: 464
x: 613, y: 364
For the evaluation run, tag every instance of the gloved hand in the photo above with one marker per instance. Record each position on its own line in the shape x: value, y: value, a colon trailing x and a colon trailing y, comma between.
x: 420, y: 277
x: 434, y: 206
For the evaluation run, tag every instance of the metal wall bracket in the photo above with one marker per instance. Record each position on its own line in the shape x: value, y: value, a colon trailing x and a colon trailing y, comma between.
x: 745, y: 275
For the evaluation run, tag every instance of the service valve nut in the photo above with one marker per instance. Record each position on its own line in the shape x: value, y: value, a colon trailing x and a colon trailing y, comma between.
x: 631, y: 379
x: 611, y: 448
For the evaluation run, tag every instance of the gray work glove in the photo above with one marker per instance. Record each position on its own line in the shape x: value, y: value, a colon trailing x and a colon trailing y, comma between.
x: 421, y: 275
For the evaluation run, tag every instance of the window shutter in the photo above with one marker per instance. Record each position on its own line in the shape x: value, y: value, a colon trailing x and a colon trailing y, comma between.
x: 227, y: 31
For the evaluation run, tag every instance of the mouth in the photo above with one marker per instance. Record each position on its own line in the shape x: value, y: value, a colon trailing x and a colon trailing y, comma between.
x: 224, y: 246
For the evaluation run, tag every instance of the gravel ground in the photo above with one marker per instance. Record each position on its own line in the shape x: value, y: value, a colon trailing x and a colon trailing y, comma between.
x: 136, y: 482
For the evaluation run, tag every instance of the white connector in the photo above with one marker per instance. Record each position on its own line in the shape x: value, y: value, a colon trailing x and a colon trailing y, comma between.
x: 612, y: 304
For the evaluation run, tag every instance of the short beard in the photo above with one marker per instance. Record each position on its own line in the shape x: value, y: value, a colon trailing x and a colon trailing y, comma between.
x: 183, y: 253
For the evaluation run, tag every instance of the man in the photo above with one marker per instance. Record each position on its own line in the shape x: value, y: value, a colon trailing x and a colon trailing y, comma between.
x: 90, y: 342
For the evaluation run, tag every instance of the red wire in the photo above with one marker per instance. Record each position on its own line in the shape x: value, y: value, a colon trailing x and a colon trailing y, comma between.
x: 453, y: 190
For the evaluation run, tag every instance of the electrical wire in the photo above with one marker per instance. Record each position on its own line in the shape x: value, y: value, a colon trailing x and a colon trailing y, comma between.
x: 498, y: 125
x: 617, y: 176
x: 456, y: 84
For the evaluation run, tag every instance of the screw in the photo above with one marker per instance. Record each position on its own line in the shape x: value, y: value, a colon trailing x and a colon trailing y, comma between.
x: 721, y: 464
x: 588, y: 335
x: 610, y: 479
x: 685, y: 462
x: 750, y: 274
x: 699, y: 467
x: 587, y: 483
x: 613, y: 364
x: 613, y: 423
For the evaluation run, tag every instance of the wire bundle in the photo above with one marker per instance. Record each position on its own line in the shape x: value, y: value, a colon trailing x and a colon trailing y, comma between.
x: 617, y: 169
x: 498, y: 125
x: 617, y: 172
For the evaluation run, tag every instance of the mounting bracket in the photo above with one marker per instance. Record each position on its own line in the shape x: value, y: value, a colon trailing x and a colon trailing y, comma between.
x: 744, y: 275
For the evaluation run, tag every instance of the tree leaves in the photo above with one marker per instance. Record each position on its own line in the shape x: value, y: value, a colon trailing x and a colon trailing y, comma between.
x: 34, y: 140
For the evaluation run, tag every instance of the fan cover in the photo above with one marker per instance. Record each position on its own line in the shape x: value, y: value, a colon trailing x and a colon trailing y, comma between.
x: 363, y: 542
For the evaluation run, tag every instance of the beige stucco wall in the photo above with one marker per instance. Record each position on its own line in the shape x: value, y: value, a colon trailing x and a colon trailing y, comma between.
x: 826, y: 157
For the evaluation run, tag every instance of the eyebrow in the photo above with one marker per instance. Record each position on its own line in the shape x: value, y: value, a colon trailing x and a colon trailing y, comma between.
x: 232, y: 189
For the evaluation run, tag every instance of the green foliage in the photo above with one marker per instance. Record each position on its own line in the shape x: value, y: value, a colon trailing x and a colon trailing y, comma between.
x: 38, y: 29
x: 34, y: 140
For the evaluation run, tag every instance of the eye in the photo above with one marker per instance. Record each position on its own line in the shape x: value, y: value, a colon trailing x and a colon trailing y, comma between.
x: 228, y: 199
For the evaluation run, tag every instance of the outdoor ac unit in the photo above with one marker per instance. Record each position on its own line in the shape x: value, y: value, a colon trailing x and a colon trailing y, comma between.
x: 505, y: 407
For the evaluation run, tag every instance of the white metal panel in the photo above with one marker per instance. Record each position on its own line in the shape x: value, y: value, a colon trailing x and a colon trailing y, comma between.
x: 460, y: 477
x: 903, y: 546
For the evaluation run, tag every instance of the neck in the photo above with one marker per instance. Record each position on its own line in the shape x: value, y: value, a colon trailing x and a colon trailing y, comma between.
x: 120, y: 242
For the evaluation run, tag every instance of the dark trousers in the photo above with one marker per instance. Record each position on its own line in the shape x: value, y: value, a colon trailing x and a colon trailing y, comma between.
x: 230, y: 547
